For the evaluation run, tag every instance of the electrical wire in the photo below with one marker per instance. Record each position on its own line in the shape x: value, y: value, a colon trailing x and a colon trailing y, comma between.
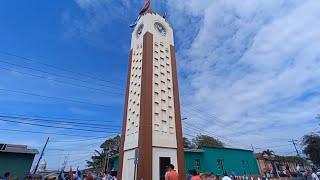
x: 60, y: 81
x: 40, y: 132
x: 57, y: 68
x: 59, y: 121
x: 54, y: 98
x: 55, y: 127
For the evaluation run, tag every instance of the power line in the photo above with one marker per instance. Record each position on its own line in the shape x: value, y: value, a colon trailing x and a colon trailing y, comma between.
x: 231, y: 142
x: 55, y: 127
x: 57, y: 121
x: 54, y: 98
x: 59, y: 81
x: 40, y: 132
x: 57, y: 68
x: 294, y: 142
x: 78, y: 140
x: 210, y: 134
x: 57, y: 118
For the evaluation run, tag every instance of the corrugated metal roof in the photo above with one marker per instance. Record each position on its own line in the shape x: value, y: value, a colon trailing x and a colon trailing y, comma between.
x: 193, y: 150
x: 14, y: 148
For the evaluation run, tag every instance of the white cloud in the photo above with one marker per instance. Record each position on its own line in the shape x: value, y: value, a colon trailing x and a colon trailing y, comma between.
x: 250, y: 67
x: 253, y: 64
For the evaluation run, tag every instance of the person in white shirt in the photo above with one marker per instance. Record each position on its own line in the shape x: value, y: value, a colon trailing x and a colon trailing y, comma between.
x: 314, y: 175
x: 226, y: 177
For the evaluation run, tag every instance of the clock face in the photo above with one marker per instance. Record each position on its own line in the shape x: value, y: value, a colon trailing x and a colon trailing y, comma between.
x: 160, y: 28
x: 139, y: 30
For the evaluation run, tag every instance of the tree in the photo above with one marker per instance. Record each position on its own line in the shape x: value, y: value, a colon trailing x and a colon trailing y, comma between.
x: 268, y: 152
x: 311, y: 144
x: 109, y: 147
x: 188, y: 144
x: 207, y: 141
x: 97, y: 160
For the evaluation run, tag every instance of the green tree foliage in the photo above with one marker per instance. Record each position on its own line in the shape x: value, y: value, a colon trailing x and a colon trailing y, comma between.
x: 108, y: 147
x: 206, y: 141
x: 311, y: 144
x: 268, y: 152
x: 97, y: 160
x: 188, y: 144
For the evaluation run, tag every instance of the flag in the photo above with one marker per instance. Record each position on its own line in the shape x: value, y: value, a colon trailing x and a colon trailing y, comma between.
x: 145, y: 7
x: 70, y: 174
x: 78, y: 174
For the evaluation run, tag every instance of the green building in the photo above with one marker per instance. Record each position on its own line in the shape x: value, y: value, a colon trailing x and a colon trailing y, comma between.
x: 16, y: 159
x: 218, y: 160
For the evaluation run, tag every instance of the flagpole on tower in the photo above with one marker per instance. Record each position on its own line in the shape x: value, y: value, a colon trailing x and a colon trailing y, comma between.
x: 144, y: 9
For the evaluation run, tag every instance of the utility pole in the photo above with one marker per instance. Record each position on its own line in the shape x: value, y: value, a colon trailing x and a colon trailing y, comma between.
x: 106, y: 160
x: 44, y: 147
x: 252, y: 147
x: 294, y: 142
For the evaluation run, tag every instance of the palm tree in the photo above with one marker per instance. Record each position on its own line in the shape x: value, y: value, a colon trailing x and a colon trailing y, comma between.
x: 268, y: 153
x: 97, y: 160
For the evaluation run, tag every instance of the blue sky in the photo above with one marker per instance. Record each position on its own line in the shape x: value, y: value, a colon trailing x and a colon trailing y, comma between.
x: 248, y: 72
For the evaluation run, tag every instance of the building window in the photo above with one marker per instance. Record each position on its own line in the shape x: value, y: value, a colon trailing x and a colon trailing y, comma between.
x: 197, y: 164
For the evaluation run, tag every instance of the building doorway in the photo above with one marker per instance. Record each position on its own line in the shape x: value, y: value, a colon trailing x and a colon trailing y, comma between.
x: 163, y: 164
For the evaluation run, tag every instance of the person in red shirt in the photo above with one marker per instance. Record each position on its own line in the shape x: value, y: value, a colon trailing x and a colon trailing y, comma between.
x: 195, y: 175
x: 172, y: 174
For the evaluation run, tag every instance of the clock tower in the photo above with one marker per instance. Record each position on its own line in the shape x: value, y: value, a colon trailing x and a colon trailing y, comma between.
x: 151, y: 133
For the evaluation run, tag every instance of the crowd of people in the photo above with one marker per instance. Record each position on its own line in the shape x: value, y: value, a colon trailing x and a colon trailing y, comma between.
x: 172, y: 174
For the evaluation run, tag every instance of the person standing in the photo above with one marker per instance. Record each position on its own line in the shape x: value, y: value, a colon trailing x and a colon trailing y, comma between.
x: 314, y: 174
x: 225, y: 176
x: 6, y: 176
x: 171, y: 173
x: 195, y: 175
x: 233, y: 174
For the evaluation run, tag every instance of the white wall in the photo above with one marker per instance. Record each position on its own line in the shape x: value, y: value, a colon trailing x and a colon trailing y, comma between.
x: 128, y: 165
x: 162, y: 152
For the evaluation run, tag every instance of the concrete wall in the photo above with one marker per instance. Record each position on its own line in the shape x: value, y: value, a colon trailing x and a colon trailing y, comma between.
x: 17, y: 164
x: 242, y: 161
